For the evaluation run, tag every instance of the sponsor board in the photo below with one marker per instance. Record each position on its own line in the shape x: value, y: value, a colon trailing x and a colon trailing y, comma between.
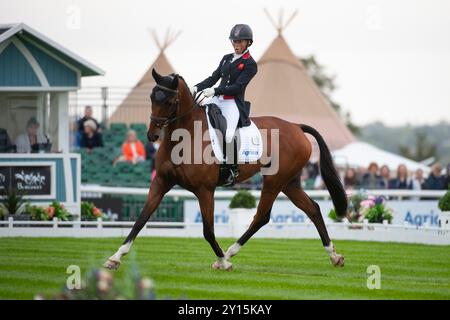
x: 414, y: 212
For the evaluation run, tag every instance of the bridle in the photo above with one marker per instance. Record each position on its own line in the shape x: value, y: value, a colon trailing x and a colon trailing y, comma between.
x: 162, y: 122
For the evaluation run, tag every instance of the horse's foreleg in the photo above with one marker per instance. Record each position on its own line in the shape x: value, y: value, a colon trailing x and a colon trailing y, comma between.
x: 261, y: 218
x: 206, y: 201
x: 296, y: 194
x: 157, y: 190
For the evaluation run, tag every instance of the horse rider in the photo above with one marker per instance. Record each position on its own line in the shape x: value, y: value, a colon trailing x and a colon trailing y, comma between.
x: 235, y: 71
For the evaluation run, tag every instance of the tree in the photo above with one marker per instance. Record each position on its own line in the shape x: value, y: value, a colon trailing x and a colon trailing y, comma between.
x: 423, y: 148
x: 326, y: 84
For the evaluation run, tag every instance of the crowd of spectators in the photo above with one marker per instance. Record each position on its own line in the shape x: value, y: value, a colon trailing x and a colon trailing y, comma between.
x: 375, y: 177
x: 89, y: 136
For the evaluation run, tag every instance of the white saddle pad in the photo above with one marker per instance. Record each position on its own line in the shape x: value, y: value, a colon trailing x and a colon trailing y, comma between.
x: 250, y: 138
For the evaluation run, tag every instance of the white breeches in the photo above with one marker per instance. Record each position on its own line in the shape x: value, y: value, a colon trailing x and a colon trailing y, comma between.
x: 230, y: 111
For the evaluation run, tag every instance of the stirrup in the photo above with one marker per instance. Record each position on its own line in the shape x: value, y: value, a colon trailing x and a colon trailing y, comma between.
x: 233, y: 172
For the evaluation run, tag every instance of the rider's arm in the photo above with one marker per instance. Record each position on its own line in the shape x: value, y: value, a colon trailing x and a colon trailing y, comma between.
x: 241, y: 82
x: 211, y: 80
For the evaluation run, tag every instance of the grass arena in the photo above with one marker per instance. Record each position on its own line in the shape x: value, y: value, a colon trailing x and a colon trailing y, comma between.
x: 266, y: 269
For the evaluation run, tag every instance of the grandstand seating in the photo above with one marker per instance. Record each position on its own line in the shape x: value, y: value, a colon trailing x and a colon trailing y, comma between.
x: 97, y: 166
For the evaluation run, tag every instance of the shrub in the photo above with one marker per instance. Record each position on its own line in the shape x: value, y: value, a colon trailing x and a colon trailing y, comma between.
x: 12, y: 201
x: 444, y: 202
x: 243, y: 199
x: 377, y: 214
x: 332, y: 215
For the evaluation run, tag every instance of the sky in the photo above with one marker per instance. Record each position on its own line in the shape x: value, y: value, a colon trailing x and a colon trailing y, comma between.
x: 391, y: 59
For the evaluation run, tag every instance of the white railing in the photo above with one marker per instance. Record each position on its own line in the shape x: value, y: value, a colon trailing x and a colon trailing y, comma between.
x: 228, y: 194
x: 343, y: 231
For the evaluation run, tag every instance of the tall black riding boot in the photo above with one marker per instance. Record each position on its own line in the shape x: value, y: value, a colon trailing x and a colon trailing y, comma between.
x: 231, y: 162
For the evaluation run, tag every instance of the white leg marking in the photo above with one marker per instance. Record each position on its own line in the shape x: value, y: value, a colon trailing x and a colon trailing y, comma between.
x: 232, y: 250
x: 222, y: 264
x: 336, y: 259
x: 113, y: 262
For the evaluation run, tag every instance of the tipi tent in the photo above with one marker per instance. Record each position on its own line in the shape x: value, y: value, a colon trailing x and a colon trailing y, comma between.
x: 135, y: 108
x: 283, y: 88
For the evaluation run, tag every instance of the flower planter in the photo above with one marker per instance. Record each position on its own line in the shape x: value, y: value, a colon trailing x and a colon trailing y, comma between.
x: 240, y: 219
x: 444, y: 220
x: 19, y: 217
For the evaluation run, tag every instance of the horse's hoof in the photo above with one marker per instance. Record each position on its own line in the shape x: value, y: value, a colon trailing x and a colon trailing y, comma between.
x: 111, y: 264
x: 222, y: 265
x: 337, y: 260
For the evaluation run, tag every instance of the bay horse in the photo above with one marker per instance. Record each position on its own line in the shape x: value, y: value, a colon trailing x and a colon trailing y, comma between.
x: 174, y: 107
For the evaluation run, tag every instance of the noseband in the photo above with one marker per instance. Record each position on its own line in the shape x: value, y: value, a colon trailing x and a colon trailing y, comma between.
x: 162, y: 122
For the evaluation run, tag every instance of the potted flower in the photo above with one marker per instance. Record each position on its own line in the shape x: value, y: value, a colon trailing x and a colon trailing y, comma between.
x: 375, y: 211
x: 444, y: 215
x: 54, y: 210
x: 242, y: 207
x: 90, y: 212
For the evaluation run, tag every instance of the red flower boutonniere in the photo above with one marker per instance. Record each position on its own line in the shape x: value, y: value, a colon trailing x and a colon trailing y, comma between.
x: 240, y: 66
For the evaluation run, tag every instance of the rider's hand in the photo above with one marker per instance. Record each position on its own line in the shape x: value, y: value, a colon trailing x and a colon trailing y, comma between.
x: 209, y: 92
x: 193, y: 90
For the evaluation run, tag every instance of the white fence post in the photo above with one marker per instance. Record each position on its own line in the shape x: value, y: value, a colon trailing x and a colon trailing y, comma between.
x: 55, y: 222
x: 10, y: 222
x: 99, y: 223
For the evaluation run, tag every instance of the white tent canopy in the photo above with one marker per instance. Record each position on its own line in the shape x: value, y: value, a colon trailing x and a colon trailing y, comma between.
x: 361, y: 154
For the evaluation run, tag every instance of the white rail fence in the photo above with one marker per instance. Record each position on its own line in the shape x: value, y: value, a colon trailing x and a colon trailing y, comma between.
x: 290, y: 230
x: 341, y: 231
x: 228, y: 194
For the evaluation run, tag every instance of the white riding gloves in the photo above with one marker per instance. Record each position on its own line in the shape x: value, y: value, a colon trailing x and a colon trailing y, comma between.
x: 209, y: 92
x: 193, y: 90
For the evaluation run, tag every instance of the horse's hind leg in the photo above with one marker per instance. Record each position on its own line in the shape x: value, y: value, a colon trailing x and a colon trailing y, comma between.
x: 158, y: 188
x: 296, y: 194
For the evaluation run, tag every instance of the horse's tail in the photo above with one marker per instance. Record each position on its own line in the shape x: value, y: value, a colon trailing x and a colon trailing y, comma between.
x: 329, y: 174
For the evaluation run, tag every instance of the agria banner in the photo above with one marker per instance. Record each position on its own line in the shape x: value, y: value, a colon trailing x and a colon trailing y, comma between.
x: 414, y: 212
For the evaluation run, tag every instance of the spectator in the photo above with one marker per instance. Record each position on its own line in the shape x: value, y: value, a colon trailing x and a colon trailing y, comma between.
x: 319, y: 184
x: 87, y: 116
x: 91, y: 138
x: 313, y: 169
x: 350, y: 179
x: 435, y: 180
x: 133, y: 149
x: 150, y: 150
x: 401, y: 181
x: 31, y: 139
x: 419, y: 180
x: 447, y: 178
x: 385, y: 174
x: 371, y: 179
x: 5, y: 142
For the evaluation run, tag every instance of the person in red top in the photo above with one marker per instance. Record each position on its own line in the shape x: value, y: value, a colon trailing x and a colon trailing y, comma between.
x: 133, y: 150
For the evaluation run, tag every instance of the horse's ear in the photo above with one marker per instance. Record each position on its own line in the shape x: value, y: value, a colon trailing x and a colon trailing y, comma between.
x: 156, y: 76
x: 175, y: 82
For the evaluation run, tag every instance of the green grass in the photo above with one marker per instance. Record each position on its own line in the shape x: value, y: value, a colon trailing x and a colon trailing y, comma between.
x: 264, y: 269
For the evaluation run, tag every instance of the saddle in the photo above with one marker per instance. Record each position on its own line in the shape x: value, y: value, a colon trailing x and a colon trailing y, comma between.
x: 227, y: 173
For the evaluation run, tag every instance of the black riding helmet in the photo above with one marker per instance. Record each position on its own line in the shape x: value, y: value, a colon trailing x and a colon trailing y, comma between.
x: 242, y: 32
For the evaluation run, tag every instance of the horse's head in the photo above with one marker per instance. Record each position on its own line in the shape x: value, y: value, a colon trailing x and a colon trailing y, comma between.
x: 165, y: 103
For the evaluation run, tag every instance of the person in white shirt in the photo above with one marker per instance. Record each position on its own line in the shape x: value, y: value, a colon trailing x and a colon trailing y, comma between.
x: 32, y: 137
